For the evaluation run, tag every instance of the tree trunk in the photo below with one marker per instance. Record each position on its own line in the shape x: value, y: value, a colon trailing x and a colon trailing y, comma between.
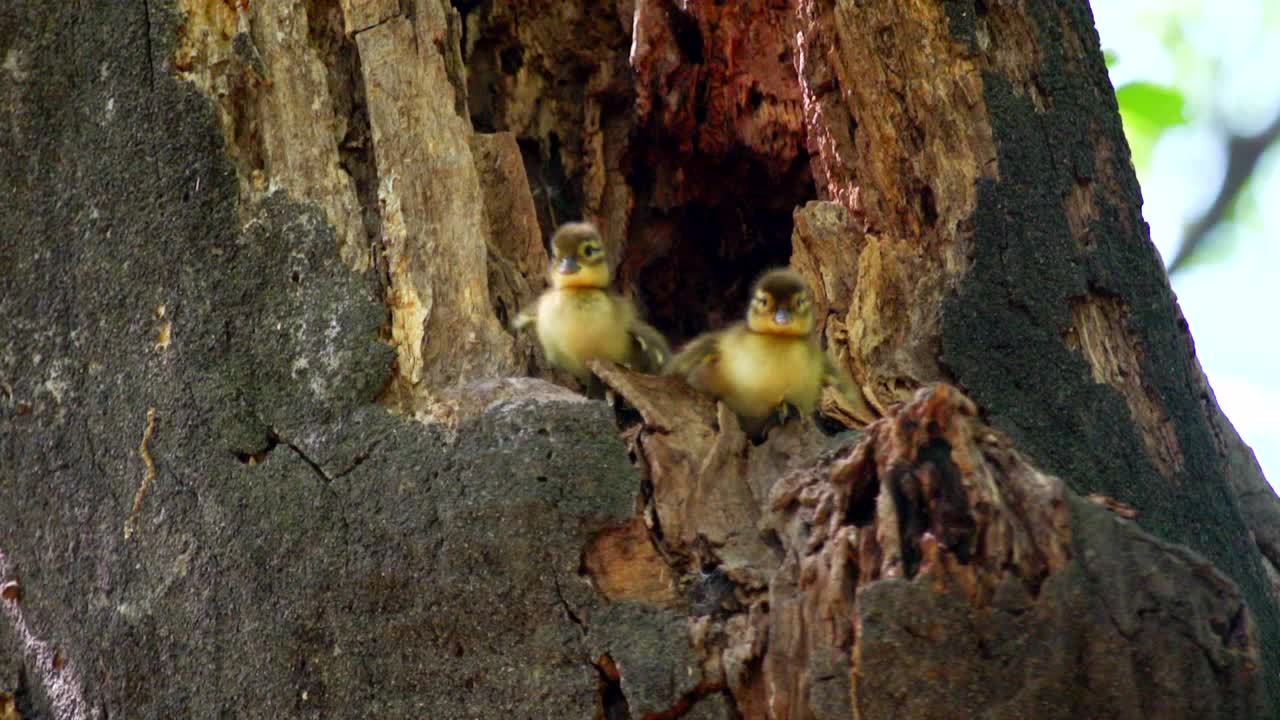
x: 268, y: 451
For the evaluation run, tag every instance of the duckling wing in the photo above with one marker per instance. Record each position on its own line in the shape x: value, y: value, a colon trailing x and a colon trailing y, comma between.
x: 697, y: 352
x: 650, y: 351
x: 527, y: 316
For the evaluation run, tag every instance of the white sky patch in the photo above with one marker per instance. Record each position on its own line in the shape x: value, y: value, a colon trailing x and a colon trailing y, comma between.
x: 1251, y: 408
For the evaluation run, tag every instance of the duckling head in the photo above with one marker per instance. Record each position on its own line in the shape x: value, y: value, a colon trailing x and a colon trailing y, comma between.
x: 780, y: 305
x: 577, y: 257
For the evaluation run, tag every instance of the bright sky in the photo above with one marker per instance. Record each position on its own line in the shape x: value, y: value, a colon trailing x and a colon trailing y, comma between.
x: 1231, y: 80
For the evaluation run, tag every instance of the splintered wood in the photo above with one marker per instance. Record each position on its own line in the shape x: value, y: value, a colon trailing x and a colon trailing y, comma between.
x: 927, y: 495
x: 900, y: 138
x: 360, y: 107
x: 432, y: 205
x: 710, y: 485
x: 810, y: 575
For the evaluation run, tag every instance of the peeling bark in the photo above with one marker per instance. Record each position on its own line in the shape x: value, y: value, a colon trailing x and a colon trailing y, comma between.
x: 713, y: 97
x: 894, y: 112
x: 433, y: 223
x: 372, y: 126
x: 709, y: 484
x: 274, y: 103
x: 1100, y: 332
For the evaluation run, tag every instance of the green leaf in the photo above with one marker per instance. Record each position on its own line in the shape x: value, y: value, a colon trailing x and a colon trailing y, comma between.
x: 1142, y: 136
x: 1159, y: 106
x: 1109, y: 57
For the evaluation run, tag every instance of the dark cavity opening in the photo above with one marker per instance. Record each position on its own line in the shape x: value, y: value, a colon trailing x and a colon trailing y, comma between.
x: 691, y: 263
x: 953, y: 522
x: 613, y: 704
x: 688, y: 35
x: 862, y: 509
x: 258, y: 455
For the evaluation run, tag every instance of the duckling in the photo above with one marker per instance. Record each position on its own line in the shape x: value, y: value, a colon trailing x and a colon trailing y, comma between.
x: 578, y: 319
x: 769, y: 364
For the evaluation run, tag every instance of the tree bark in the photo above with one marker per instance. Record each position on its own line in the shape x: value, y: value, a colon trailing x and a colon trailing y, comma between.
x: 267, y: 451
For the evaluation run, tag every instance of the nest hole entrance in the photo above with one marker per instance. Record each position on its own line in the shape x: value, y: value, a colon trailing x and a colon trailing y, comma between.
x: 691, y: 267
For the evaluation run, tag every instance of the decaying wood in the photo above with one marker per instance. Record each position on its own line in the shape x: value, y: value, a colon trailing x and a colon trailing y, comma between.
x: 1100, y: 332
x: 300, y: 130
x: 624, y: 565
x: 433, y: 211
x: 715, y: 78
x: 363, y: 14
x: 930, y: 531
x: 517, y: 261
x: 709, y: 483
x: 909, y: 174
x: 826, y: 248
x: 275, y: 107
x: 715, y: 97
x: 365, y: 102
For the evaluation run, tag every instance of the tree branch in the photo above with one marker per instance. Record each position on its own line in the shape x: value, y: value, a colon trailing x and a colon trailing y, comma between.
x: 1243, y: 154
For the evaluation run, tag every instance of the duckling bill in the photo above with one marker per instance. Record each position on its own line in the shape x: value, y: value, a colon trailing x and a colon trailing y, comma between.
x: 579, y: 319
x: 769, y: 361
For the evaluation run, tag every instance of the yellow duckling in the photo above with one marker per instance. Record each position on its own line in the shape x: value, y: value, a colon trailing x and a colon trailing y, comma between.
x: 768, y: 364
x: 578, y: 319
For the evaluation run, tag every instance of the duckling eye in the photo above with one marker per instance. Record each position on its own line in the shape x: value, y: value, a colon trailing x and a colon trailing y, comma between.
x: 590, y: 251
x: 801, y: 304
x: 760, y: 302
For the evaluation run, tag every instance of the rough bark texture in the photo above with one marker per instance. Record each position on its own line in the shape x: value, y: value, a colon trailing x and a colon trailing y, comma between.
x: 237, y: 233
x: 1004, y: 251
x: 928, y: 570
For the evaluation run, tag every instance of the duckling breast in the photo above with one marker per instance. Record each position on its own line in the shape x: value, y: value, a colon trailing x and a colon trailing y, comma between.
x: 580, y: 324
x: 763, y: 371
